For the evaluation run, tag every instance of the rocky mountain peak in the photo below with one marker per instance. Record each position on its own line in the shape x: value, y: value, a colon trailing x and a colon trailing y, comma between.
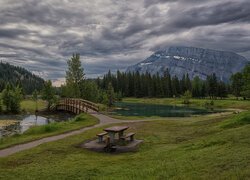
x: 194, y: 61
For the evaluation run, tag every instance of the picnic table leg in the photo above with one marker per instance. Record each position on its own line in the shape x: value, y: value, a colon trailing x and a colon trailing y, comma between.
x: 100, y: 139
x: 120, y: 134
x: 112, y: 137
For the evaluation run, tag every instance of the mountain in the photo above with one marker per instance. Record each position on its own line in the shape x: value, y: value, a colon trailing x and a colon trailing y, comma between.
x: 194, y: 61
x: 19, y: 76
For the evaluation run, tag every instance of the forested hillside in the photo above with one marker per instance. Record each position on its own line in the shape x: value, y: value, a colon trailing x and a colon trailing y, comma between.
x: 19, y: 76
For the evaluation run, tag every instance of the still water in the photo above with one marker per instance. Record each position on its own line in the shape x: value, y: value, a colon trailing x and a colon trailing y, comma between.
x: 139, y: 109
x: 24, y: 122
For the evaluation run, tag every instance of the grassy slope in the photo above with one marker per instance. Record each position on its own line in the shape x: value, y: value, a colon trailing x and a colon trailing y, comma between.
x: 195, y: 148
x: 30, y: 105
x: 224, y: 103
x: 38, y: 132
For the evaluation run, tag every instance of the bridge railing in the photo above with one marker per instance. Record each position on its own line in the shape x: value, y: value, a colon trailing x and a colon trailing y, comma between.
x: 77, y: 105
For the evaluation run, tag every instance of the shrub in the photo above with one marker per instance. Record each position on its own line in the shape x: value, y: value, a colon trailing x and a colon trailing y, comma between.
x: 80, y: 117
x: 186, y: 97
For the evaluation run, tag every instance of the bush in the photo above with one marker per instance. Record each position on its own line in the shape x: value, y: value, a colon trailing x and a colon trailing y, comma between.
x: 12, y: 98
x: 80, y: 117
x: 209, y: 104
x: 43, y: 129
x: 186, y: 97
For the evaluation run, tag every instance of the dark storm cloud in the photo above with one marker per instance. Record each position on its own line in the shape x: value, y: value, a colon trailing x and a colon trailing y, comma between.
x: 111, y: 34
x: 228, y: 12
x: 12, y: 33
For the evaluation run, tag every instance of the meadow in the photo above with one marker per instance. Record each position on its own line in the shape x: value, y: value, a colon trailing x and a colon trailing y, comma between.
x: 198, y: 147
x: 193, y: 148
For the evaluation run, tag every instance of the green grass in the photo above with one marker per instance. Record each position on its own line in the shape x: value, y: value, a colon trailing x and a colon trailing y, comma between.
x: 192, y: 148
x: 30, y: 105
x: 219, y: 103
x: 237, y: 120
x: 38, y: 132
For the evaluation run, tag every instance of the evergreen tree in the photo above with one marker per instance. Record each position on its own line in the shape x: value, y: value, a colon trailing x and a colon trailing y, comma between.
x: 6, y: 96
x: 110, y: 94
x: 188, y: 83
x: 137, y: 85
x: 221, y: 90
x: 35, y: 98
x: 74, y: 76
x: 212, y: 85
x: 237, y: 84
x: 203, y: 92
x: 91, y: 91
x: 246, y: 79
x: 167, y: 84
x: 196, y: 87
x: 183, y: 87
x: 16, y: 97
x: 175, y: 86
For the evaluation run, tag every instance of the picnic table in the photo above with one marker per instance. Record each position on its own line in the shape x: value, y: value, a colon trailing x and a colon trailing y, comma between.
x: 114, y: 130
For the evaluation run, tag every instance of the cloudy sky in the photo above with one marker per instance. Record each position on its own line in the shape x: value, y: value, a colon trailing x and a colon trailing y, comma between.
x: 41, y: 35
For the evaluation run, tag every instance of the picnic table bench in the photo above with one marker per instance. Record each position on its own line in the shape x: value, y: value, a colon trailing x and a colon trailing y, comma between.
x: 129, y: 135
x: 100, y: 136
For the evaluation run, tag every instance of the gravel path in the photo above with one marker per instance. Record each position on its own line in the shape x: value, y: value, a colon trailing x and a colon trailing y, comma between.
x: 103, y: 120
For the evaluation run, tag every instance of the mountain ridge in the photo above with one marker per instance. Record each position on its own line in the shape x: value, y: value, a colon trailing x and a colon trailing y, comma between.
x: 16, y: 75
x: 180, y: 60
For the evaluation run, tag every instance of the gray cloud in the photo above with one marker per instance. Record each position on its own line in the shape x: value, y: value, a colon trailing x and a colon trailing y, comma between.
x: 110, y: 34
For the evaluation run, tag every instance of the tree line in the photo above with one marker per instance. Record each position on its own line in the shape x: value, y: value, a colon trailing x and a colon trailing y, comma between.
x: 147, y: 85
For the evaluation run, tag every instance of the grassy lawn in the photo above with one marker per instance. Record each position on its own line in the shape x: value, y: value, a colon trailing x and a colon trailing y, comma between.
x: 219, y: 103
x: 192, y: 148
x: 51, y: 129
x: 30, y: 105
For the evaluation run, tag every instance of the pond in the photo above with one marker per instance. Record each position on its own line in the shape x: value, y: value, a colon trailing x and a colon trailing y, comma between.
x: 24, y: 122
x: 148, y: 110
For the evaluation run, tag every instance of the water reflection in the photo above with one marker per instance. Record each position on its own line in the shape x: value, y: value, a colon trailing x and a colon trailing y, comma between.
x: 139, y: 109
x: 24, y: 122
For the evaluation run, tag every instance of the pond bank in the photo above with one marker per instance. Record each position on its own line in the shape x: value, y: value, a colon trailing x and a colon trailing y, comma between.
x: 9, y: 127
x: 22, y: 122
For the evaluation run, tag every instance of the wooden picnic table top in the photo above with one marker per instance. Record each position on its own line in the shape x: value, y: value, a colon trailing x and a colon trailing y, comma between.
x: 116, y: 129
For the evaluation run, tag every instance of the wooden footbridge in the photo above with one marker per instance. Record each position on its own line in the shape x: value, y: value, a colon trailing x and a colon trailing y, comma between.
x: 76, y: 106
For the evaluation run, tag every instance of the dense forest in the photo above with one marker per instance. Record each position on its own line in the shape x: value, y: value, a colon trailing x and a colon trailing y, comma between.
x: 18, y: 76
x: 147, y: 85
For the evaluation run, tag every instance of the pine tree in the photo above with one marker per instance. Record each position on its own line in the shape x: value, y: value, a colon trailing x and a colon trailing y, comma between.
x: 246, y: 79
x: 35, y: 98
x: 74, y: 76
x: 196, y: 87
x: 212, y: 85
x: 175, y: 86
x: 237, y: 83
x: 110, y: 94
x: 6, y: 96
